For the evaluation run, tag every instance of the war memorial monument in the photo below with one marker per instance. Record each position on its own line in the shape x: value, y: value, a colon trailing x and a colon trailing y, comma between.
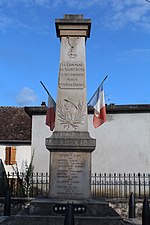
x: 70, y: 145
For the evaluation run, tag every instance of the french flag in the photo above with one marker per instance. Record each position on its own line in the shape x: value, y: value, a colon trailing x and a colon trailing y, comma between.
x: 98, y: 102
x: 50, y: 115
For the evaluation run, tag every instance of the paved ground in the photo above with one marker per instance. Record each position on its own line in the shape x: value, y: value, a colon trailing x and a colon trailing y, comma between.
x: 136, y: 221
x: 130, y: 221
x: 3, y: 218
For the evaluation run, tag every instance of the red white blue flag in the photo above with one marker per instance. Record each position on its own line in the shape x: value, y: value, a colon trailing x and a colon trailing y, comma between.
x: 50, y: 115
x: 98, y: 102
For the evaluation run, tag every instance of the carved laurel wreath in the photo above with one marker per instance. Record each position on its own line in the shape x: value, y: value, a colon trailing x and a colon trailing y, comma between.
x: 69, y: 119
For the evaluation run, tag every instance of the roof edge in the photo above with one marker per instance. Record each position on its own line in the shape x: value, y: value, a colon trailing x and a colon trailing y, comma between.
x: 35, y: 110
x: 112, y: 108
x: 23, y: 142
x: 134, y: 108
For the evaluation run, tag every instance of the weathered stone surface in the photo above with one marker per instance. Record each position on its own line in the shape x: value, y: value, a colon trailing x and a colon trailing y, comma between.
x: 73, y: 25
x: 70, y: 175
x: 71, y: 141
x: 94, y: 208
x: 41, y: 211
x: 71, y: 109
x: 57, y: 220
x: 70, y: 145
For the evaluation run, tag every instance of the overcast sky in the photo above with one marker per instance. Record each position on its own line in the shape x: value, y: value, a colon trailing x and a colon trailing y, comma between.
x: 119, y: 46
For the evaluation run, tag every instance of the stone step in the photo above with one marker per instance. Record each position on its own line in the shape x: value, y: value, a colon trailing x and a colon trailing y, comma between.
x: 59, y: 220
x: 97, y: 208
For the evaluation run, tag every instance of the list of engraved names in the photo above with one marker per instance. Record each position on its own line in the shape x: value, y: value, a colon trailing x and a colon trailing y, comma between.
x: 72, y: 75
x: 69, y: 174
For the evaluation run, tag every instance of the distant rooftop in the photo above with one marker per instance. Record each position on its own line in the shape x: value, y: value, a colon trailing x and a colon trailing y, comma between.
x: 16, y: 122
x: 15, y: 125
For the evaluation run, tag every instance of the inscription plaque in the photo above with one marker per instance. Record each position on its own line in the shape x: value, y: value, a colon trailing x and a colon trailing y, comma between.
x: 72, y: 75
x: 70, y: 172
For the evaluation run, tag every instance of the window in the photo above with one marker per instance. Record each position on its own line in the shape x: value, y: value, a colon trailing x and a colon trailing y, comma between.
x: 10, y: 158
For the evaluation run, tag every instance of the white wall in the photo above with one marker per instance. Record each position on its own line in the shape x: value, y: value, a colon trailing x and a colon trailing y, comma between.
x: 40, y: 131
x: 23, y: 156
x: 122, y: 143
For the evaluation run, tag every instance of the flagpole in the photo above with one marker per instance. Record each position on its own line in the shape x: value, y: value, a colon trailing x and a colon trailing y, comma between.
x: 98, y: 88
x: 104, y: 80
x: 44, y: 87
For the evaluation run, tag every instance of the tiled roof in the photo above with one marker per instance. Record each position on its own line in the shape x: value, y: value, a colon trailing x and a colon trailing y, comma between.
x: 15, y: 124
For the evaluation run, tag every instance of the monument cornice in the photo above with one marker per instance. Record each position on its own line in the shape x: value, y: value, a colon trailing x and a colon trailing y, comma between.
x: 70, y: 141
x: 73, y: 25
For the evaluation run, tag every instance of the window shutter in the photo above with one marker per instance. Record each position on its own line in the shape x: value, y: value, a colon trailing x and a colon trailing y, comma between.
x: 7, y: 155
x: 13, y: 156
x: 10, y: 158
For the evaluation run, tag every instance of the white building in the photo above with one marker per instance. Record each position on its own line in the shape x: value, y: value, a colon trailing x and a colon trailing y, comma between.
x: 15, y: 138
x: 122, y: 143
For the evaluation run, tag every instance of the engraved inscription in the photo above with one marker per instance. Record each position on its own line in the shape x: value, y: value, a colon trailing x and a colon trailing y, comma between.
x: 69, y: 175
x: 78, y: 142
x: 72, y: 75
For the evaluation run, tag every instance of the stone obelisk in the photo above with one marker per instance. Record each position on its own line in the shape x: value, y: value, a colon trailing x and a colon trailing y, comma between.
x: 70, y: 145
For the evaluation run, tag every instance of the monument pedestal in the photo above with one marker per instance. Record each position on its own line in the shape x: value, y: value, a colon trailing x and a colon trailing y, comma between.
x: 95, y: 207
x: 70, y: 164
x: 76, y: 141
x: 41, y: 211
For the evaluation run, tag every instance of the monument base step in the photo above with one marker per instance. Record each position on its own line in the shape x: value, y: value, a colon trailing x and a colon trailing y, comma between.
x: 59, y: 220
x: 41, y: 212
x: 93, y: 207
